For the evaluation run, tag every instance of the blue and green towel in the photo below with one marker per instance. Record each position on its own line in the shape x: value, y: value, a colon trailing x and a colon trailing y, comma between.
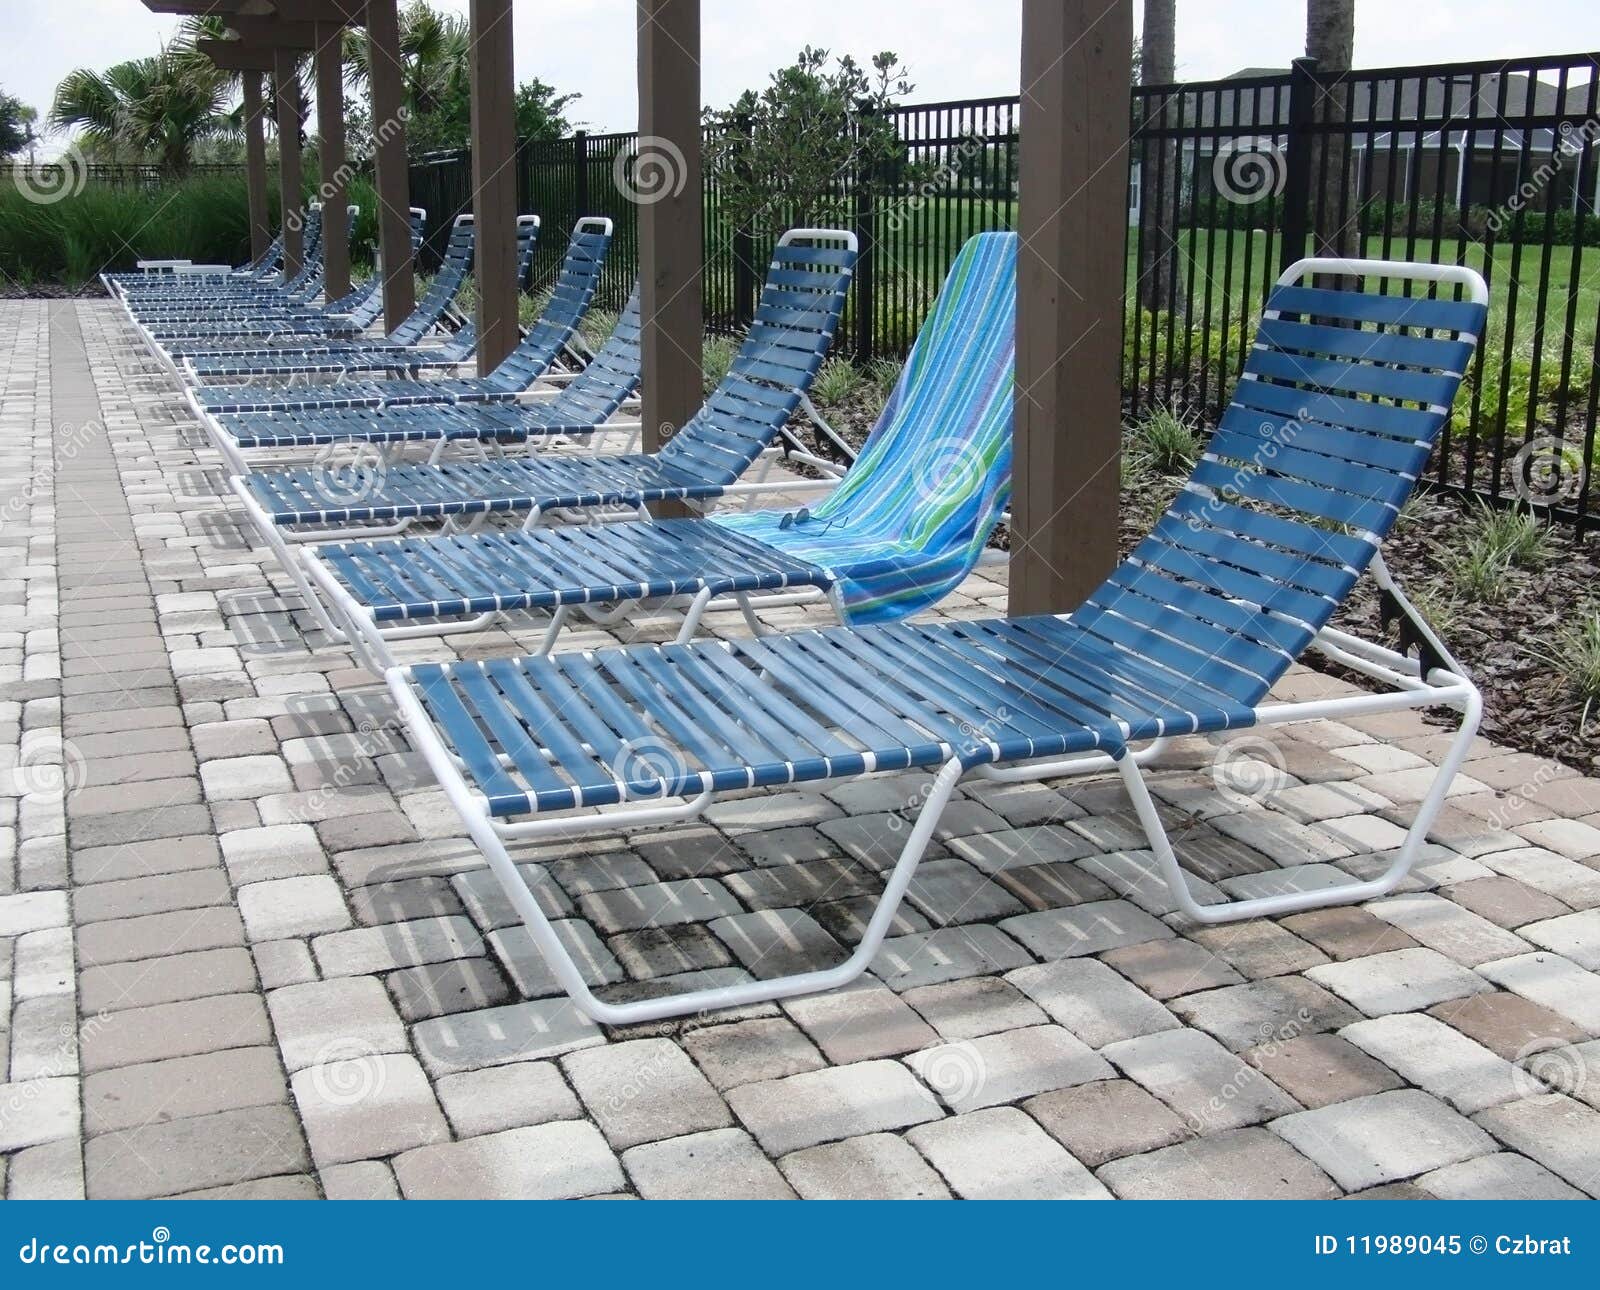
x: 914, y: 512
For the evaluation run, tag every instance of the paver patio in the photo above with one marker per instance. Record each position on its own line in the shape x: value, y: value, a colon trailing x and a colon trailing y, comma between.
x: 246, y: 949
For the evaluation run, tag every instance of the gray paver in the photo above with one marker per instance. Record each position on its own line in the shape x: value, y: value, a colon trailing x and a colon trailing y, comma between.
x: 506, y: 1097
x: 359, y: 1107
x: 1276, y: 1009
x: 544, y: 1162
x: 167, y: 1158
x: 1503, y: 1176
x: 1438, y: 1060
x: 1400, y: 981
x: 992, y: 1069
x: 1243, y: 1164
x: 1559, y: 1133
x: 1085, y: 929
x: 720, y: 1164
x: 1093, y: 1002
x: 1199, y: 1079
x: 1382, y: 1138
x: 876, y: 1166
x: 843, y: 1101
x: 644, y: 1090
x: 1000, y: 1154
x: 1106, y: 1120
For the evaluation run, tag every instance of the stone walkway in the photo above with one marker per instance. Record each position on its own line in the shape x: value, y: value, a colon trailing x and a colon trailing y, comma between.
x: 246, y: 950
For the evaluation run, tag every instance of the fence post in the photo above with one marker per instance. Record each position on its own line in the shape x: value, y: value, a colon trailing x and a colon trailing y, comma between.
x: 863, y: 220
x: 580, y: 164
x: 1297, y: 162
x: 744, y: 250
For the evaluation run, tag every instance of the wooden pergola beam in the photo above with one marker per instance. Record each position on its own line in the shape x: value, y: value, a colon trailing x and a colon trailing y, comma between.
x: 328, y: 56
x: 384, y: 73
x: 1072, y: 221
x: 255, y: 162
x: 290, y: 189
x: 670, y: 234
x: 234, y: 55
x: 494, y: 179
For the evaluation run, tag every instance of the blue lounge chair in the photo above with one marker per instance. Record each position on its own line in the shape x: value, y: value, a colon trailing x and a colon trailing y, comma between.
x: 281, y: 289
x: 795, y: 321
x: 577, y: 410
x: 174, y: 271
x: 905, y: 525
x: 251, y: 327
x: 513, y: 377
x: 1342, y: 399
x: 401, y: 351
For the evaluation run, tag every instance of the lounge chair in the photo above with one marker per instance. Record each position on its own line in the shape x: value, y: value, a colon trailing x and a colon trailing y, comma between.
x: 250, y: 327
x: 279, y: 288
x: 401, y: 350
x: 170, y: 271
x: 1342, y: 399
x: 515, y: 375
x: 577, y: 410
x: 795, y: 321
x: 905, y: 525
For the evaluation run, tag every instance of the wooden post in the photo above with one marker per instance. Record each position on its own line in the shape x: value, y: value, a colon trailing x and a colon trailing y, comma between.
x: 290, y: 196
x: 494, y: 180
x: 389, y: 155
x: 1072, y: 218
x: 670, y: 216
x: 255, y: 165
x: 335, y: 175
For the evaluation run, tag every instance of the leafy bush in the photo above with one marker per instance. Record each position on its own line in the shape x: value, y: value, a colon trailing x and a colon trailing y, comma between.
x: 716, y: 357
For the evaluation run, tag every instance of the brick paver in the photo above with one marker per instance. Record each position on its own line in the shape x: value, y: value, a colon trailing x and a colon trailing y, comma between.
x: 246, y: 948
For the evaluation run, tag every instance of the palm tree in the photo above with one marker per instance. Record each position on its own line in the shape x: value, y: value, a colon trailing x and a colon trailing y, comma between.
x: 159, y: 108
x: 434, y: 47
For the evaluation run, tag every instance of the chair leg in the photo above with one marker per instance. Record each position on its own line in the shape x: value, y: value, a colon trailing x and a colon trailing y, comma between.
x: 571, y: 979
x: 1294, y: 902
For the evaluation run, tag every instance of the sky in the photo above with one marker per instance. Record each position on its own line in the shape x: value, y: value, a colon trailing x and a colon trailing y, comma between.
x: 954, y: 48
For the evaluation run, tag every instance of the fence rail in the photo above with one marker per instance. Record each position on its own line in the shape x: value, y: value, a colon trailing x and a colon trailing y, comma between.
x: 1493, y: 165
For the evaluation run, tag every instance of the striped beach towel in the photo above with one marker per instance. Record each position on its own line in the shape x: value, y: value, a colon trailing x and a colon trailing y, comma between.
x: 912, y: 515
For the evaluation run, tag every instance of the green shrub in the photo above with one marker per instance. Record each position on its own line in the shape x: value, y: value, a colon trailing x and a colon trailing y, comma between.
x: 107, y: 228
x: 883, y: 374
x: 716, y: 357
x: 1515, y: 534
x: 1166, y: 442
x: 836, y: 382
x: 1576, y: 658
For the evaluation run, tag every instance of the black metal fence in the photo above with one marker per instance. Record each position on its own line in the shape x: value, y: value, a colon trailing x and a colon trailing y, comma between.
x: 1493, y: 165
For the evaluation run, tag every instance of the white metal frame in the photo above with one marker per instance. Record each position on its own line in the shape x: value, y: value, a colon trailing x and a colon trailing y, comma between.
x: 1406, y: 689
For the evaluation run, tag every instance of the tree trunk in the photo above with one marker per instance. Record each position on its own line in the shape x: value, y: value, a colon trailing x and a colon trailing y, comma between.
x: 1330, y: 39
x: 1161, y: 162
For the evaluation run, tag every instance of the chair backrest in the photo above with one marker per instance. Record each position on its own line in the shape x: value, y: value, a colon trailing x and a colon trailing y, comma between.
x: 594, y: 395
x: 569, y: 301
x: 362, y: 304
x: 1327, y: 433
x: 310, y: 251
x: 796, y: 317
x: 912, y: 515
x: 460, y: 345
x: 441, y: 291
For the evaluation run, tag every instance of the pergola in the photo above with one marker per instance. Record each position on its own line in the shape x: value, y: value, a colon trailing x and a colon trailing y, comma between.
x: 1071, y: 218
